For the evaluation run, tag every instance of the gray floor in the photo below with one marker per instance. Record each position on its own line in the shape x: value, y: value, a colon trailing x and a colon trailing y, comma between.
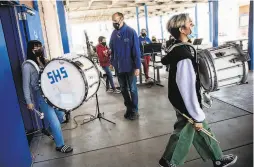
x: 141, y: 143
x: 234, y: 95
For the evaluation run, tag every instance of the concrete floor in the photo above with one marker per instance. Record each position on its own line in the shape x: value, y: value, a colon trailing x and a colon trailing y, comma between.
x: 141, y: 143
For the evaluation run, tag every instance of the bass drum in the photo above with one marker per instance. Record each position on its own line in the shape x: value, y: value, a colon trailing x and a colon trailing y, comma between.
x: 66, y: 83
x: 223, y: 66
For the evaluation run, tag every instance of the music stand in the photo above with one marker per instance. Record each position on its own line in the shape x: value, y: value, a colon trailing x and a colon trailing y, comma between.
x: 99, y: 114
x: 197, y: 42
x: 152, y: 49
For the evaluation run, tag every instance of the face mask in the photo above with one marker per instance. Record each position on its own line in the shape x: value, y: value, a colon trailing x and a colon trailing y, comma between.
x: 191, y: 35
x: 143, y: 34
x: 116, y: 26
x: 104, y: 43
x: 38, y: 53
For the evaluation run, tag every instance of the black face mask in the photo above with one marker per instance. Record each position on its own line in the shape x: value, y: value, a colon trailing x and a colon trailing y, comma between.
x: 116, y: 26
x: 143, y: 34
x: 104, y: 43
x: 39, y: 52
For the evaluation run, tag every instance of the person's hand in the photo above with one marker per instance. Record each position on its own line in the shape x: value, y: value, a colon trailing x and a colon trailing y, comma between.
x: 136, y: 72
x: 30, y: 106
x: 46, y: 60
x: 198, y: 126
x: 105, y: 53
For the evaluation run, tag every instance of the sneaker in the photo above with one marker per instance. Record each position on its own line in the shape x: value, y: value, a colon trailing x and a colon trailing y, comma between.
x: 149, y: 80
x: 133, y: 115
x: 117, y: 91
x: 64, y: 149
x: 127, y: 114
x: 109, y: 90
x: 225, y: 161
x: 164, y: 163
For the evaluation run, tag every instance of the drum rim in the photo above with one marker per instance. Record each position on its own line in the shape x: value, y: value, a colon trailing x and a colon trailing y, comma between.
x: 246, y: 72
x: 85, y: 75
x: 98, y: 76
x: 213, y: 75
x: 48, y: 101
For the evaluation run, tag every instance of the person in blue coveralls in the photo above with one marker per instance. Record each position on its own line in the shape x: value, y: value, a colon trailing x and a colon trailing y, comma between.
x: 125, y: 58
x: 143, y: 40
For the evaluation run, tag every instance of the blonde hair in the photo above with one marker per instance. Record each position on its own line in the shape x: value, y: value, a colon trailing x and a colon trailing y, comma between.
x: 176, y: 22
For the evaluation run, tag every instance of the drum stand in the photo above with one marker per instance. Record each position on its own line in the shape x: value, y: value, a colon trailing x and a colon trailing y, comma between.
x: 99, y: 114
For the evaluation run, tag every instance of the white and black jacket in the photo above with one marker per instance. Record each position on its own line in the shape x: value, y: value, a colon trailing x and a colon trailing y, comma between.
x: 183, y: 82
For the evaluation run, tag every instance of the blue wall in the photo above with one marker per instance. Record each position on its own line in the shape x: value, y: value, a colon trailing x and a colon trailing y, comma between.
x: 62, y: 23
x: 14, y: 146
x: 30, y: 29
x: 33, y: 25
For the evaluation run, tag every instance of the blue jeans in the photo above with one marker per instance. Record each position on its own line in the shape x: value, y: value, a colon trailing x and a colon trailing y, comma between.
x: 128, y: 80
x: 54, y: 118
x: 109, y: 78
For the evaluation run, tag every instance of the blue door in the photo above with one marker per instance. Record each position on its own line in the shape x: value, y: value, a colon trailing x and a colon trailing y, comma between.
x: 30, y: 27
x: 14, y: 146
x: 16, y: 42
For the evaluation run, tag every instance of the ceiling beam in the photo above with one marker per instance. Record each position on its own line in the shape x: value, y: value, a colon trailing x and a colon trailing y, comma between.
x: 132, y: 9
x: 108, y: 17
x: 165, y: 10
x: 127, y: 8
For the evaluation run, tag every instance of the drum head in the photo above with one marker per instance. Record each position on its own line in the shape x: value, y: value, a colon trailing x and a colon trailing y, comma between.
x: 91, y: 74
x: 205, y: 72
x: 63, y: 84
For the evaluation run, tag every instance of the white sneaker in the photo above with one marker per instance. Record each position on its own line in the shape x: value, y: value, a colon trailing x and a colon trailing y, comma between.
x: 116, y: 91
x: 109, y: 90
x: 225, y: 161
x: 149, y: 80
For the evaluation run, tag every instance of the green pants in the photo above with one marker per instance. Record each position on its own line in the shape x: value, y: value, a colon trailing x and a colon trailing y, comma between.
x: 183, y: 137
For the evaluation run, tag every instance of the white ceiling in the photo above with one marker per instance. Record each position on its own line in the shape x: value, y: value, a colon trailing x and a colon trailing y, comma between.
x: 101, y: 10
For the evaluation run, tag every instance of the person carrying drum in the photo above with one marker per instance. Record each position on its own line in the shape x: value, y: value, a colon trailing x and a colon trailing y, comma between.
x: 143, y: 40
x: 184, y: 95
x: 125, y: 58
x: 33, y: 96
x: 104, y: 59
